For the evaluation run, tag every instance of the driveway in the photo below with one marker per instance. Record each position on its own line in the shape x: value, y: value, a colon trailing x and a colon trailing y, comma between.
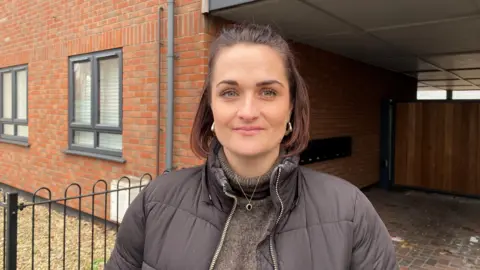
x: 431, y: 231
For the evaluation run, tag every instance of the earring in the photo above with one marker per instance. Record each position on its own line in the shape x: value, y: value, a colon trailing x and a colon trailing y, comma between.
x: 213, y: 127
x: 289, y: 128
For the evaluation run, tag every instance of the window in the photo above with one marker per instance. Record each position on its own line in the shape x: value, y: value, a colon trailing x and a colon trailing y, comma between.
x: 14, y: 104
x: 95, y: 103
x: 431, y: 94
x: 466, y: 94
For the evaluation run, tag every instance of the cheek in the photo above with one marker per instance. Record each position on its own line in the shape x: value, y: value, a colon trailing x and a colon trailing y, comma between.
x: 222, y: 113
x: 278, y: 120
x: 216, y: 107
x: 280, y: 126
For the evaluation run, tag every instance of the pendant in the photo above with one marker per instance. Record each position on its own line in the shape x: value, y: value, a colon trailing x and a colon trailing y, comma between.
x: 249, y: 206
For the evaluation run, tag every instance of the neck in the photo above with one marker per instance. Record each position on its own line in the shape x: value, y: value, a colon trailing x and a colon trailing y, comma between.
x: 252, y: 166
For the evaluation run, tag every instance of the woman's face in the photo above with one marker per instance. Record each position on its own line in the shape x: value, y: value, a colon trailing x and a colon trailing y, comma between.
x: 250, y: 99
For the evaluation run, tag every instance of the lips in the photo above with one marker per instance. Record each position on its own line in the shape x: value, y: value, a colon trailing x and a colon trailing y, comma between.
x: 248, y: 130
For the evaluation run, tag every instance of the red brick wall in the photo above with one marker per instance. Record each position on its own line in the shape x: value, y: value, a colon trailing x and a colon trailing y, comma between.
x: 345, y: 96
x: 43, y: 34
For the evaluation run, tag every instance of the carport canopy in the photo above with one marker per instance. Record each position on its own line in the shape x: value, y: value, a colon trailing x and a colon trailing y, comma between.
x: 436, y: 41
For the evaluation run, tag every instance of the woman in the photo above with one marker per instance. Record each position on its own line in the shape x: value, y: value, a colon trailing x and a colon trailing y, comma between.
x: 251, y: 206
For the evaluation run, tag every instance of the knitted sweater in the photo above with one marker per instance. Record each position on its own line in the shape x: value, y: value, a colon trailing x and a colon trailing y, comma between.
x: 247, y: 228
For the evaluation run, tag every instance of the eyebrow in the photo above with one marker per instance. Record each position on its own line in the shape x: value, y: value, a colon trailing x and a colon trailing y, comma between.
x: 262, y: 83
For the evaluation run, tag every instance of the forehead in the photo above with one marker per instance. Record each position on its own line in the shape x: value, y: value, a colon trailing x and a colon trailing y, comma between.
x: 249, y: 62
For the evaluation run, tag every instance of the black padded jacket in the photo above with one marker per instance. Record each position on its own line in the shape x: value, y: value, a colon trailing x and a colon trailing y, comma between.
x: 178, y: 222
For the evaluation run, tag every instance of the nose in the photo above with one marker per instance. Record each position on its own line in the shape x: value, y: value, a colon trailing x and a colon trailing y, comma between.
x: 248, y: 108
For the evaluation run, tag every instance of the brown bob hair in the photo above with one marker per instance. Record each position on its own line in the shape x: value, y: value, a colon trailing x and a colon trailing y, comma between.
x: 297, y: 140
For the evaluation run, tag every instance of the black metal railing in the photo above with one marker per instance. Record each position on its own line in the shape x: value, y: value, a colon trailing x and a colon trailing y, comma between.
x: 20, y: 250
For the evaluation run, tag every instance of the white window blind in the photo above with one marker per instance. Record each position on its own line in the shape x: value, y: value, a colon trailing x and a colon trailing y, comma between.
x: 7, y: 95
x: 109, y: 92
x: 83, y: 138
x: 110, y: 141
x: 22, y: 131
x: 21, y: 95
x: 8, y: 129
x: 83, y: 93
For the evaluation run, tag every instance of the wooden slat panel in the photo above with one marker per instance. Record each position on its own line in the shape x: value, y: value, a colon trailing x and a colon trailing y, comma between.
x: 428, y: 147
x: 446, y: 169
x: 418, y: 142
x: 459, y: 157
x: 437, y: 146
x: 472, y: 145
x: 439, y: 138
x: 478, y: 150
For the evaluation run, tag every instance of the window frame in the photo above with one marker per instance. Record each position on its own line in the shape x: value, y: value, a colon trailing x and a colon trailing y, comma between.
x: 13, y: 121
x: 94, y: 59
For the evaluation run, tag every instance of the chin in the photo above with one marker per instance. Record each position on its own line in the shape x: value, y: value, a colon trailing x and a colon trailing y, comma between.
x: 247, y: 152
x: 248, y: 148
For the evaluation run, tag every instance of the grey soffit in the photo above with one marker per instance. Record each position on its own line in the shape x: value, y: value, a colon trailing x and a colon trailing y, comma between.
x: 452, y: 37
x: 475, y: 81
x: 429, y: 88
x: 433, y: 75
x: 221, y: 4
x: 381, y: 15
x: 290, y: 17
x: 466, y: 60
x: 461, y: 88
x: 452, y: 74
x: 445, y: 83
x: 468, y: 73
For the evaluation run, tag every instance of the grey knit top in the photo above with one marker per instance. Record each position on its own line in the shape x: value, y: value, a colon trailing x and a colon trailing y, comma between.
x: 247, y: 228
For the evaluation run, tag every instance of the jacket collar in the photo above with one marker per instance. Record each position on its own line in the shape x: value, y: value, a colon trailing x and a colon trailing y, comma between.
x: 283, y: 182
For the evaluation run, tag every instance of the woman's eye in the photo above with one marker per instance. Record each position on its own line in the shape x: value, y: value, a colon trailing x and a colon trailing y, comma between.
x: 229, y: 93
x: 269, y: 92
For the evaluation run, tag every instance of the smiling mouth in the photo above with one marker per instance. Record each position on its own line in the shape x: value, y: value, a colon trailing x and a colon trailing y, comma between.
x: 248, y: 131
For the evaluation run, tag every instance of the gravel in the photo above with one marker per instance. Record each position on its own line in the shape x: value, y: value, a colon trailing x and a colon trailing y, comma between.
x: 24, y: 248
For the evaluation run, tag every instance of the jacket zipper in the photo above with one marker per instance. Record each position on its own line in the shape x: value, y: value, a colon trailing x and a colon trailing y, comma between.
x: 225, y: 229
x: 272, y: 248
x: 227, y: 224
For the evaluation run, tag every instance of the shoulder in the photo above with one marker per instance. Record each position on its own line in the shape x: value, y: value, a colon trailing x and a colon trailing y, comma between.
x: 324, y: 182
x: 333, y: 194
x: 169, y: 185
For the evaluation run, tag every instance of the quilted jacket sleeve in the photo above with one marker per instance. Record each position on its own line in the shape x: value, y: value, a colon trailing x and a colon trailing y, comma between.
x: 127, y: 253
x: 373, y: 248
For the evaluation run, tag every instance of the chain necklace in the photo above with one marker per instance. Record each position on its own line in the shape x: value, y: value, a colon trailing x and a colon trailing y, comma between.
x: 249, y: 205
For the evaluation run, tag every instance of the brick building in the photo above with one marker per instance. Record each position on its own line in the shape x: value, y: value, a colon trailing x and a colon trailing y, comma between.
x: 84, y: 84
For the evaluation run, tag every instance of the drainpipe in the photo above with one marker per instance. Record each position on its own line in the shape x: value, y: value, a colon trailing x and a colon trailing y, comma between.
x: 159, y: 73
x: 170, y: 96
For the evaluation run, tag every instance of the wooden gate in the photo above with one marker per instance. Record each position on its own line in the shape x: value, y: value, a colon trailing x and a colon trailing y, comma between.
x: 437, y: 146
